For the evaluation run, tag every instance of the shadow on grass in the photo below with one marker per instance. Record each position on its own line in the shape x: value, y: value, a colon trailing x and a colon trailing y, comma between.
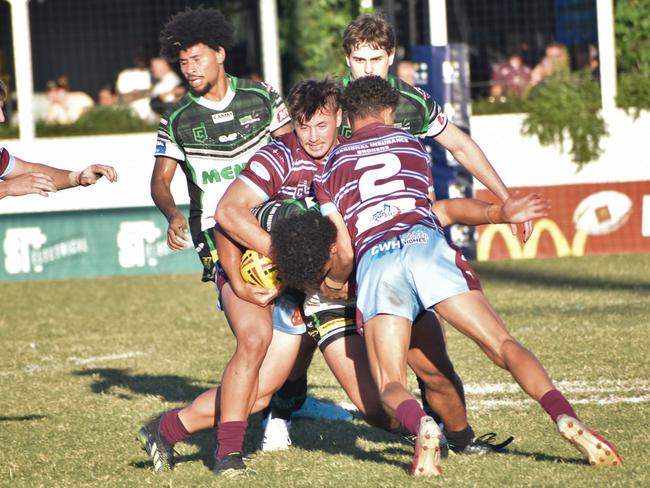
x: 171, y: 388
x: 531, y: 277
x: 21, y: 418
x: 538, y: 456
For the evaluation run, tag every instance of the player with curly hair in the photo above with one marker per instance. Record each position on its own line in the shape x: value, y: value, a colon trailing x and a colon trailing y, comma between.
x: 20, y: 177
x: 211, y: 133
x: 376, y: 183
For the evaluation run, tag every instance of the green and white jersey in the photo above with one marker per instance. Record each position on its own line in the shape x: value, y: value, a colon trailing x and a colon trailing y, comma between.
x: 213, y: 141
x: 416, y: 113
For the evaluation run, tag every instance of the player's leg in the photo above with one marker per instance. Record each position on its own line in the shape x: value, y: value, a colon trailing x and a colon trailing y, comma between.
x: 347, y: 359
x: 253, y: 330
x: 429, y: 359
x: 472, y: 314
x: 387, y: 339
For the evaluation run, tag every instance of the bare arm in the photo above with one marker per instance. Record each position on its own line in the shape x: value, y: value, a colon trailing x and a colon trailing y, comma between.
x: 468, y: 211
x: 342, y: 261
x: 161, y: 179
x: 230, y: 259
x: 233, y: 214
x: 282, y: 130
x: 38, y: 178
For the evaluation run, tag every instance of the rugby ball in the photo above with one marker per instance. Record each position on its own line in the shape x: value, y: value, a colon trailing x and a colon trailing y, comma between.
x: 273, y: 211
x: 258, y: 270
x: 602, y: 213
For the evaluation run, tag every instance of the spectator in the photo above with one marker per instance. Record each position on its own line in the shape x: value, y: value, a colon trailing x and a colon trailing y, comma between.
x: 106, y: 96
x: 65, y: 107
x: 510, y: 78
x: 556, y: 59
x: 406, y: 71
x: 133, y: 85
x: 167, y: 88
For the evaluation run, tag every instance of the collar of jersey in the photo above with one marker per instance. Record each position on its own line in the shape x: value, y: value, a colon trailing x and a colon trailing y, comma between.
x: 221, y: 104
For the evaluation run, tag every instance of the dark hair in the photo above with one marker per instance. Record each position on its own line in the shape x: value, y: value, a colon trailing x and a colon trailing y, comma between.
x: 3, y: 91
x: 368, y: 95
x: 300, y: 249
x: 193, y: 26
x: 309, y: 96
x: 374, y: 30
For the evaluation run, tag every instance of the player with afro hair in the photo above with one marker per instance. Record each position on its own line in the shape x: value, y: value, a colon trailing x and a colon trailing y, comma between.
x: 363, y: 97
x: 301, y: 247
x: 195, y: 26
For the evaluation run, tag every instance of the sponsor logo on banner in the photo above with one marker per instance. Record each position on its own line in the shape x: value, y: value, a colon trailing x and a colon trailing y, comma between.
x: 139, y: 244
x: 223, y: 117
x: 25, y: 250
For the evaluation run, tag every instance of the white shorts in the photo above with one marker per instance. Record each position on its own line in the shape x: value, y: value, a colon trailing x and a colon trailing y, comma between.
x: 409, y: 273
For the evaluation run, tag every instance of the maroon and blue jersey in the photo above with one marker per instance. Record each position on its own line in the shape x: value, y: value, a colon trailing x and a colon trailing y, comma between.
x: 281, y: 170
x: 7, y: 162
x: 380, y: 182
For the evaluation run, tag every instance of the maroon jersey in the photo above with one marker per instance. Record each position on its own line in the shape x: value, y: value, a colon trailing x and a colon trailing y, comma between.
x: 281, y: 170
x: 379, y: 181
x: 7, y: 162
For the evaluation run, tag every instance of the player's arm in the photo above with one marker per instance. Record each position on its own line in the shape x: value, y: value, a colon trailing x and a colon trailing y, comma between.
x: 39, y: 178
x: 516, y: 209
x: 161, y: 180
x: 234, y: 215
x: 470, y: 155
x: 281, y: 130
x: 230, y: 260
x: 335, y: 283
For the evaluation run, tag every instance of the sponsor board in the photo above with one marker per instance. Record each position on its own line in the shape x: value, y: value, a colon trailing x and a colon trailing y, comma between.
x: 585, y: 219
x: 62, y: 245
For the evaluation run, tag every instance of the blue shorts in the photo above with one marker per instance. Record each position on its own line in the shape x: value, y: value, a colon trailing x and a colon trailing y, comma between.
x: 409, y: 273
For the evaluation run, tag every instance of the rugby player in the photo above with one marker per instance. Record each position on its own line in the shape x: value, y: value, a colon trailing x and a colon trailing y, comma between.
x: 375, y: 182
x: 19, y: 177
x: 211, y: 133
x: 369, y: 47
x: 285, y: 169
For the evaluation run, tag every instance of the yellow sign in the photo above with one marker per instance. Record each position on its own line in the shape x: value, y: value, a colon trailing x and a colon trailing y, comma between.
x: 529, y: 250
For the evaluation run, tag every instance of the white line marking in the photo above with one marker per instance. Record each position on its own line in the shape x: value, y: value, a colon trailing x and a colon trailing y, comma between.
x: 110, y: 357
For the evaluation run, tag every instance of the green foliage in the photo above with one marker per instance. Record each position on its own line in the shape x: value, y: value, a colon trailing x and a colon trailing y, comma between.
x: 98, y: 120
x: 489, y: 106
x: 632, y: 30
x: 310, y: 37
x: 567, y: 105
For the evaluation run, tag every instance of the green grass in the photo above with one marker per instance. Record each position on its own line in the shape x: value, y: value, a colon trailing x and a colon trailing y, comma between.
x: 84, y: 362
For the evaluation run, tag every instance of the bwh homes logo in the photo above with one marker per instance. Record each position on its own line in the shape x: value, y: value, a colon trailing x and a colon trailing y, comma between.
x: 25, y: 250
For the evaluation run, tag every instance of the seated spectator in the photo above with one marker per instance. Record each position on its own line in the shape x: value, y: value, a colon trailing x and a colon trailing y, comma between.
x: 106, y: 96
x: 406, y: 71
x: 134, y: 86
x: 556, y: 59
x: 167, y: 88
x: 510, y: 78
x: 65, y: 107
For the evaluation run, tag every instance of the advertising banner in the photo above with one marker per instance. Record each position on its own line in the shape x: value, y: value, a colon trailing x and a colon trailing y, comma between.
x: 92, y: 243
x: 585, y: 219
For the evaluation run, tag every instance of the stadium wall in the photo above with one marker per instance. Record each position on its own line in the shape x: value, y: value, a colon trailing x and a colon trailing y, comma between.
x: 113, y: 229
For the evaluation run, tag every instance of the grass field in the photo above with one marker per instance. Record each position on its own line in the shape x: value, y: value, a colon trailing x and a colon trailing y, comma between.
x: 84, y: 362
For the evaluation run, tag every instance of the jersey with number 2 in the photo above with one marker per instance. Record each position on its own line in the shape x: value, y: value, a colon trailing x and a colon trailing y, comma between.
x: 380, y: 182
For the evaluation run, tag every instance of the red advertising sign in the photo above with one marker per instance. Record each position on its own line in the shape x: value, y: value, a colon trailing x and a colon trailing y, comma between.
x: 586, y: 219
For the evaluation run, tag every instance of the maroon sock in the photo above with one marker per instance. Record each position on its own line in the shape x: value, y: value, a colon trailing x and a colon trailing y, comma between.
x: 555, y: 405
x: 172, y: 429
x: 230, y: 437
x: 409, y: 413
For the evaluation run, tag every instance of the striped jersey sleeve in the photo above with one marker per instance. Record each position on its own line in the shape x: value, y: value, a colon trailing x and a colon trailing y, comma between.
x: 267, y: 169
x: 437, y: 118
x: 280, y: 111
x: 7, y: 163
x: 166, y: 144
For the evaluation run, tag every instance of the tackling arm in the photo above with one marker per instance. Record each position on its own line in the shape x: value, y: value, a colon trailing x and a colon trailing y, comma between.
x: 342, y: 261
x: 234, y: 215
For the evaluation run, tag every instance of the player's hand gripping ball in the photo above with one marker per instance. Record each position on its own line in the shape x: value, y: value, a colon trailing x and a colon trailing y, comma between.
x: 258, y: 270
